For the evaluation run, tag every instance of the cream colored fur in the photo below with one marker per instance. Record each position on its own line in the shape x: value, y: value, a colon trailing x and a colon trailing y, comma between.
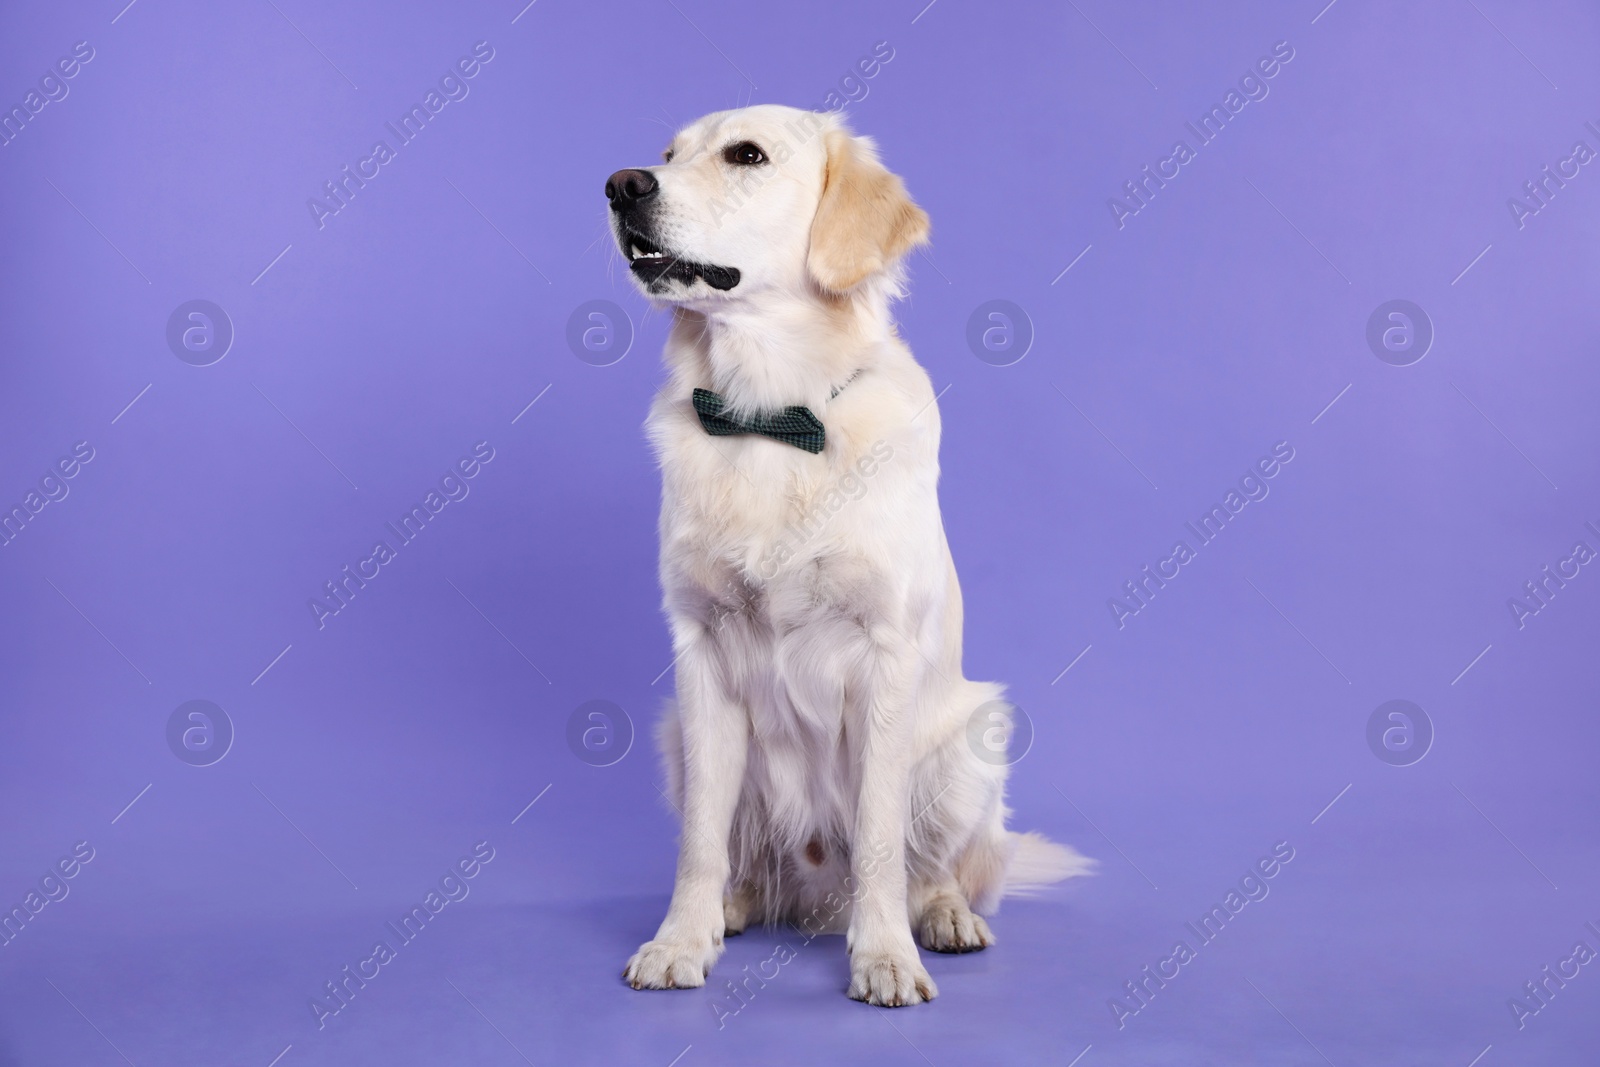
x: 818, y: 750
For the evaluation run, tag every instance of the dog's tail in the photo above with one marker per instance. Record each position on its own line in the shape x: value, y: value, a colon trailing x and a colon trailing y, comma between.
x: 1036, y: 862
x: 1004, y: 863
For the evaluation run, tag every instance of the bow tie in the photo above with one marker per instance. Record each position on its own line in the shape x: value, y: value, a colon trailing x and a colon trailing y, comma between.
x: 793, y: 425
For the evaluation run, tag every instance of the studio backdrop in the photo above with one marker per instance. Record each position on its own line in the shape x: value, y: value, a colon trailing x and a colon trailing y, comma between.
x: 1265, y: 343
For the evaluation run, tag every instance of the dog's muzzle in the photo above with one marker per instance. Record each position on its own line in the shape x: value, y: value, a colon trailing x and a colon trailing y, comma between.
x: 632, y: 194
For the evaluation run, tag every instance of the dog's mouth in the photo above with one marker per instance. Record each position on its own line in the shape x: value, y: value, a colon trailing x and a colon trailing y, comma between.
x: 655, y: 266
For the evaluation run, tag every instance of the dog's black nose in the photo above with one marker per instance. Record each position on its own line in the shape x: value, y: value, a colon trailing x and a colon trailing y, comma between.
x: 628, y: 186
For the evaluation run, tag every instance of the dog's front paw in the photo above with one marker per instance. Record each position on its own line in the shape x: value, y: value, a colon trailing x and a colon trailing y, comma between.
x: 890, y: 979
x: 671, y: 964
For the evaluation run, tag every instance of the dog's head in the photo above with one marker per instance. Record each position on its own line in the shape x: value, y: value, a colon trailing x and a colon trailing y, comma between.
x: 758, y: 199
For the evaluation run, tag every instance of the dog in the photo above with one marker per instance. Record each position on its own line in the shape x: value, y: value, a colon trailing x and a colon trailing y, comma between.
x: 830, y: 765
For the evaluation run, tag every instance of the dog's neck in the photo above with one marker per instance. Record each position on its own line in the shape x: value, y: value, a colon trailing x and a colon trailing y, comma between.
x: 778, y: 349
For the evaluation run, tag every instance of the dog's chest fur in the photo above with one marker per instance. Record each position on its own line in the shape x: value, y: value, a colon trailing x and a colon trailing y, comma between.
x: 762, y: 548
x: 778, y: 558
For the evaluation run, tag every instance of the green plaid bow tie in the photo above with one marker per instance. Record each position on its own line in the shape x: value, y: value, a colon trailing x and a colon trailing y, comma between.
x: 793, y: 425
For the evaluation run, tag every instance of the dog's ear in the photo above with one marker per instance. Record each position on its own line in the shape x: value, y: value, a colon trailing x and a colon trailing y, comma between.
x: 866, y: 220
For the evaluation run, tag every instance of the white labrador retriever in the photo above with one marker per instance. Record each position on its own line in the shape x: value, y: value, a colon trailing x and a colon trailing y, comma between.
x: 830, y: 764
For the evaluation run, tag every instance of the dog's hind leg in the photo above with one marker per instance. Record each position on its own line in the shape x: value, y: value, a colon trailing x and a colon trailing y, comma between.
x: 739, y: 909
x: 943, y: 920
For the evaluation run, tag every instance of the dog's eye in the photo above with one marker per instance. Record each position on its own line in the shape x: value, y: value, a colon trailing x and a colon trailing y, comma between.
x: 744, y: 154
x: 666, y: 157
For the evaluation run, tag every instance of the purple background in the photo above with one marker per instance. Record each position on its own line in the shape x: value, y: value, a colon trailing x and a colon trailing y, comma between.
x: 427, y: 315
